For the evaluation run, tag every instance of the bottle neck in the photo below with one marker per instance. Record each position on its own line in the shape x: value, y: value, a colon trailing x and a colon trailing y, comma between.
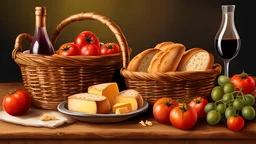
x: 40, y: 21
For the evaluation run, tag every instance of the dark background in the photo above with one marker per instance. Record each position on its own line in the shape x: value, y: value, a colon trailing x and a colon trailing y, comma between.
x: 145, y: 23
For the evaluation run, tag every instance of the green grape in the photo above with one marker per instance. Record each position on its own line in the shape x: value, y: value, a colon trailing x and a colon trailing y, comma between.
x: 229, y: 88
x: 227, y: 97
x: 222, y: 80
x: 217, y: 93
x: 248, y: 112
x: 210, y: 106
x: 221, y: 108
x: 213, y: 117
x: 238, y: 104
x: 249, y: 99
x: 230, y: 111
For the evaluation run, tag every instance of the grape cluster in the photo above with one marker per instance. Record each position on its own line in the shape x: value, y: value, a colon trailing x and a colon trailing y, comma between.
x: 228, y: 102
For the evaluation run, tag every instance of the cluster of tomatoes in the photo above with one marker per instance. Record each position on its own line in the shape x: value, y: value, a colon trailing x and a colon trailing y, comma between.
x: 182, y: 116
x: 224, y: 107
x: 88, y: 44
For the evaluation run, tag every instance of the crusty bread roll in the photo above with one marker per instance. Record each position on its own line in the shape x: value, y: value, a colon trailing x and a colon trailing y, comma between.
x: 167, y: 61
x: 164, y: 45
x: 141, y: 62
x: 196, y: 59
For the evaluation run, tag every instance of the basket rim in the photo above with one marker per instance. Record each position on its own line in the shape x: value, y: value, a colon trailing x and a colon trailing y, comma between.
x: 177, y: 75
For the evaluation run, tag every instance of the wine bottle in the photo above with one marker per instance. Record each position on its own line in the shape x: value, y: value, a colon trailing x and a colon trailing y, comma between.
x: 41, y: 43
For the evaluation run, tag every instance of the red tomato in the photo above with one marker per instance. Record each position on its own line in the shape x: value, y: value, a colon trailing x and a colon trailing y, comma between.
x: 90, y: 50
x: 235, y: 123
x: 198, y: 104
x: 17, y: 102
x: 162, y: 109
x: 244, y: 81
x: 183, y: 117
x: 109, y: 48
x: 86, y: 37
x: 69, y: 49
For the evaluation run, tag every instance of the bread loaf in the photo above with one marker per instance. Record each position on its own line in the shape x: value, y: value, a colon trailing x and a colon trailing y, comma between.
x: 196, y: 59
x: 141, y: 62
x: 167, y: 61
x: 164, y: 45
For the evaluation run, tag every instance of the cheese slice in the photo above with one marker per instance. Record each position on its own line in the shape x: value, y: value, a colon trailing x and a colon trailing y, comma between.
x: 122, y: 110
x: 121, y: 105
x: 108, y: 90
x: 130, y: 96
x: 89, y: 103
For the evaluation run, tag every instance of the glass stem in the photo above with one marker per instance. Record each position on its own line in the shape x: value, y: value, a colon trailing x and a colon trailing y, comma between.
x: 226, y: 68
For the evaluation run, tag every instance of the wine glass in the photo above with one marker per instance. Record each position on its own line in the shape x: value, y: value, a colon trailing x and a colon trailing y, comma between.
x: 227, y: 41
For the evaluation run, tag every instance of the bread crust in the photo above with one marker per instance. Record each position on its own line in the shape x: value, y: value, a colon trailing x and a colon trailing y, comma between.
x: 189, y: 53
x: 164, y: 45
x: 135, y: 62
x: 166, y: 61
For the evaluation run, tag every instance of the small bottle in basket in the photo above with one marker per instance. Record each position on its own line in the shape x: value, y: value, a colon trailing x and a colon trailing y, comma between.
x: 41, y: 43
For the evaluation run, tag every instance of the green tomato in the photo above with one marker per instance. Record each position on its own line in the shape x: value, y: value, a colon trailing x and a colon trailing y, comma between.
x: 249, y: 99
x: 217, y: 93
x: 229, y: 88
x: 221, y: 108
x: 213, y: 117
x: 223, y: 80
x: 227, y: 97
x: 209, y: 107
x: 238, y: 104
x: 230, y: 111
x: 248, y: 113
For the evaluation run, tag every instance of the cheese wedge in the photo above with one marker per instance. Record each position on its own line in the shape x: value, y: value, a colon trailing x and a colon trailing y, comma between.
x: 121, y: 105
x: 89, y: 103
x: 122, y: 110
x: 108, y: 90
x: 130, y: 96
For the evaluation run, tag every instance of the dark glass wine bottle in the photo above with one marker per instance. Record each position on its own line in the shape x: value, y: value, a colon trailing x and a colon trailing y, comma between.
x: 41, y: 43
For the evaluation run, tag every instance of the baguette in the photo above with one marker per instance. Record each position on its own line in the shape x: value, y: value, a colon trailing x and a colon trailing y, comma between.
x: 167, y: 61
x: 164, y: 45
x: 141, y: 62
x: 196, y: 59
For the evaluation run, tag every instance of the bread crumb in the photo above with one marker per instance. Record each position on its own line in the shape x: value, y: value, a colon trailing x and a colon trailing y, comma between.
x: 142, y: 123
x: 47, y: 117
x: 53, y: 117
x: 149, y: 123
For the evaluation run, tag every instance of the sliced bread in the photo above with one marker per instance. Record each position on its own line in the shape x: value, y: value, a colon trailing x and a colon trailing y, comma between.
x: 196, y: 59
x: 141, y: 62
x: 167, y: 61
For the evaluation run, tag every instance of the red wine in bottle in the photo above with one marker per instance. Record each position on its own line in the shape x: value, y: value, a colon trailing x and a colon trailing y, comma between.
x: 41, y: 43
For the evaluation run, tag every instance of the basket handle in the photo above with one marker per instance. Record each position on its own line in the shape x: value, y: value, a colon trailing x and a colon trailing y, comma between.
x: 18, y: 43
x: 106, y: 21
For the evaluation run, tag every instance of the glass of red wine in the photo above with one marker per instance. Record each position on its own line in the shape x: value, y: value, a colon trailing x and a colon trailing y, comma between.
x: 227, y: 41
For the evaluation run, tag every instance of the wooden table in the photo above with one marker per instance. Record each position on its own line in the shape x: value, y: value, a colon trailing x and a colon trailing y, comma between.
x: 124, y: 132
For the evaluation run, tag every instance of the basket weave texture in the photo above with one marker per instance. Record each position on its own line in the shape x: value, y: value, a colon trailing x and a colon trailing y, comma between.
x: 51, y: 79
x: 176, y: 85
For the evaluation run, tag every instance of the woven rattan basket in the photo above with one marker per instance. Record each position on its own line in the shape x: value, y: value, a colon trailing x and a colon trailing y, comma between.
x: 51, y: 79
x: 176, y: 85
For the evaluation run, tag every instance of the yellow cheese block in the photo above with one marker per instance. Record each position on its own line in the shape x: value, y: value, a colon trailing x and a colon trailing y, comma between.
x: 122, y: 110
x: 130, y: 96
x: 108, y: 90
x: 89, y: 103
x: 120, y: 105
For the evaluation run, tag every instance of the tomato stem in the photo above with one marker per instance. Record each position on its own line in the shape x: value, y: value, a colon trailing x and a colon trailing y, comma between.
x: 12, y: 91
x: 65, y: 48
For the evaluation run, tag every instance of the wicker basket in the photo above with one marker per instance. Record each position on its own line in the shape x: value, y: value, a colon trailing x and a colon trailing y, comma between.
x: 177, y: 85
x: 51, y: 79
